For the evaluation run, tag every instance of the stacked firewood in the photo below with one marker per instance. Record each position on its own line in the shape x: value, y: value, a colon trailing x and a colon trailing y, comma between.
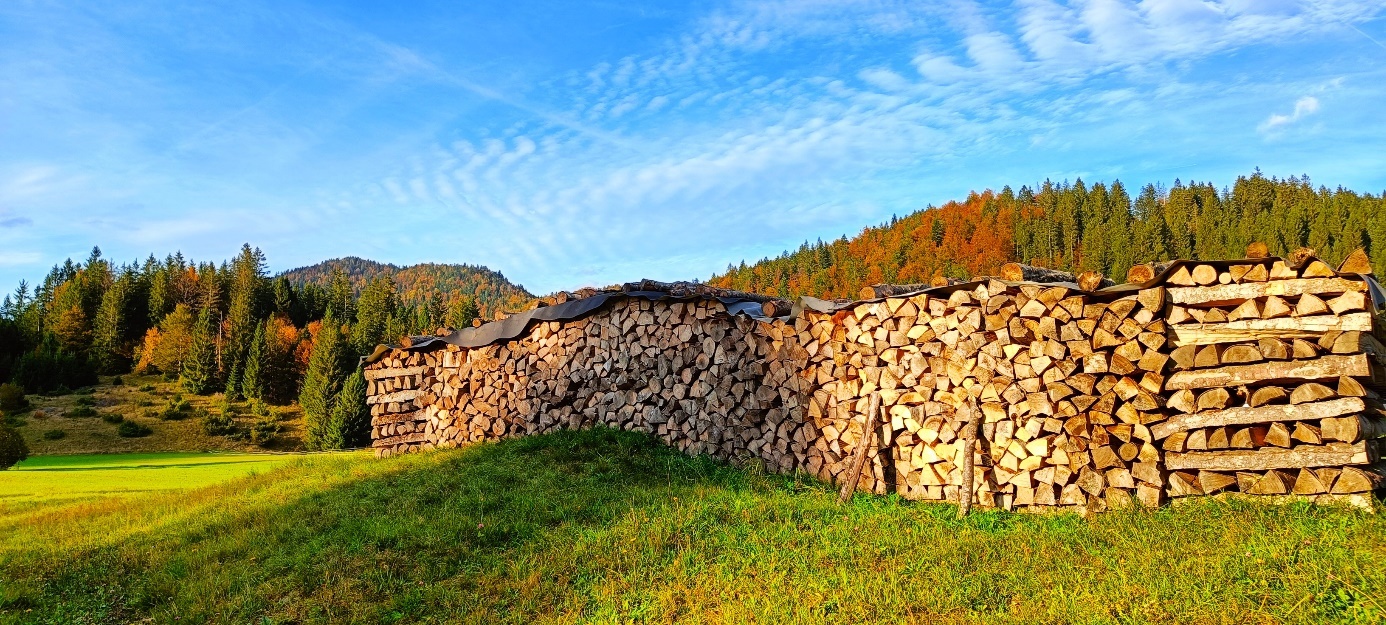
x: 685, y: 371
x: 1270, y: 394
x: 1064, y: 389
x: 1253, y: 376
x: 394, y: 393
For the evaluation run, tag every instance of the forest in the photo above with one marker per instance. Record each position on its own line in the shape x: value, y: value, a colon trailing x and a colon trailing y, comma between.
x: 232, y: 328
x: 1078, y: 227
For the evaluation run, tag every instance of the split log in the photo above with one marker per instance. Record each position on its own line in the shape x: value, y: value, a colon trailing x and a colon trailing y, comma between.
x: 1352, y: 428
x: 1263, y: 414
x: 1323, y: 368
x: 1229, y: 294
x: 1331, y: 454
x: 1356, y: 262
x: 1254, y: 329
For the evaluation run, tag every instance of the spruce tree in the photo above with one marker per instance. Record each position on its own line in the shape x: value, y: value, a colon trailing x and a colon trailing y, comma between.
x: 112, y: 326
x: 349, y: 425
x: 321, y: 383
x: 256, y: 369
x: 374, y: 310
x: 199, y: 375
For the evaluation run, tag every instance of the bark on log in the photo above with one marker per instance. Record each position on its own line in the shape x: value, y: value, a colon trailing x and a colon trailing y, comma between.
x: 1017, y: 272
x: 1332, y: 454
x: 1254, y: 329
x: 870, y: 421
x: 1322, y: 368
x: 1230, y: 294
x: 1263, y: 414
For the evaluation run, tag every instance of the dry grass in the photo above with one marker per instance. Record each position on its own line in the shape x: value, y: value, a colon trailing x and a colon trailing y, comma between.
x: 137, y: 399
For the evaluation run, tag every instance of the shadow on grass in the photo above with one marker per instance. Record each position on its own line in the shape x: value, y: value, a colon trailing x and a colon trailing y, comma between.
x: 610, y: 526
x: 457, y: 512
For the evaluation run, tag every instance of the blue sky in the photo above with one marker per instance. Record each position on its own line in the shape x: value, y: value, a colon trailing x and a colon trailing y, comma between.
x: 571, y: 143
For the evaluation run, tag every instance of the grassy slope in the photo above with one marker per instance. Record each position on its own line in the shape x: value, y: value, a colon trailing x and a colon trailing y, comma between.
x: 85, y: 435
x: 604, y: 526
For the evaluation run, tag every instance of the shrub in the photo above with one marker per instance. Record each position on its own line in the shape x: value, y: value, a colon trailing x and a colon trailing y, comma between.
x: 13, y: 421
x: 266, y: 425
x: 146, y: 388
x: 12, y: 398
x: 12, y: 447
x: 86, y: 401
x: 177, y: 408
x: 117, y: 381
x: 219, y: 423
x: 112, y: 417
x: 53, y: 435
x: 130, y: 429
x: 81, y: 411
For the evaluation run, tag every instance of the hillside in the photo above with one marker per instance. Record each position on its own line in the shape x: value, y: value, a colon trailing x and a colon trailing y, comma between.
x: 416, y: 284
x: 1078, y: 227
x: 610, y: 526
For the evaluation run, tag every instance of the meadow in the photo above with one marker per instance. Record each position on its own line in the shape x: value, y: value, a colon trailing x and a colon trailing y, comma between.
x: 87, y: 421
x: 606, y: 526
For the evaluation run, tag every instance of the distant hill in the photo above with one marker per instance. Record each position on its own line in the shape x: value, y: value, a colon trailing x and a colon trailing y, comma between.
x: 1078, y: 227
x: 417, y: 283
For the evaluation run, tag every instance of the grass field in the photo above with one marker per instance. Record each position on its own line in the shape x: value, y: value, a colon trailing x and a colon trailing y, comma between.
x: 137, y: 399
x: 43, y: 480
x: 606, y: 526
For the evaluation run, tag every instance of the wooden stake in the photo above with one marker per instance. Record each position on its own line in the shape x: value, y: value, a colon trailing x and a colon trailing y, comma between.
x: 868, y: 434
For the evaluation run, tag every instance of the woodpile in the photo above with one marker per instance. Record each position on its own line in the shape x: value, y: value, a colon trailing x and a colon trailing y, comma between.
x: 1270, y: 390
x: 1254, y: 376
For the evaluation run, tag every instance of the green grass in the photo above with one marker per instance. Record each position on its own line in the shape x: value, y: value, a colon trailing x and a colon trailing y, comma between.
x: 68, y: 479
x: 606, y: 526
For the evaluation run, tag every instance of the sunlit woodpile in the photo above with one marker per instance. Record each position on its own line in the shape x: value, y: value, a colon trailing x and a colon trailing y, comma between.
x: 1254, y: 376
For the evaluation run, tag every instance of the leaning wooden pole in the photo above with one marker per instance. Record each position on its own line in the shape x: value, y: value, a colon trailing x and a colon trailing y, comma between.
x: 969, y: 440
x: 868, y: 434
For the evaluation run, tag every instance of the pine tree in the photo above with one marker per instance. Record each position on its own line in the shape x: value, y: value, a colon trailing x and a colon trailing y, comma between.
x: 374, y: 310
x: 462, y: 312
x: 322, y: 382
x: 349, y: 425
x: 199, y: 375
x: 247, y: 294
x: 256, y: 368
x: 340, y: 302
x: 112, y: 327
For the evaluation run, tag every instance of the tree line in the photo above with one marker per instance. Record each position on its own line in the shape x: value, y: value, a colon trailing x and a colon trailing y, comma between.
x: 1078, y: 227
x: 228, y: 327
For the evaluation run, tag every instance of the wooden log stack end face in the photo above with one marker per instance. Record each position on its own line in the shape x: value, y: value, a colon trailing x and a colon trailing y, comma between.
x: 1210, y: 381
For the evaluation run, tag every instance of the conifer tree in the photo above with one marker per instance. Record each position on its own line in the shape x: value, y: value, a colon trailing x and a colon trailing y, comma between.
x: 199, y: 375
x: 322, y: 383
x: 462, y: 312
x: 112, y: 326
x: 374, y: 310
x: 349, y: 425
x: 256, y: 368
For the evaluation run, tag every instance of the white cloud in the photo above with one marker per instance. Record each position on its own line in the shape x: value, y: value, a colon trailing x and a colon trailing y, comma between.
x: 1304, y: 107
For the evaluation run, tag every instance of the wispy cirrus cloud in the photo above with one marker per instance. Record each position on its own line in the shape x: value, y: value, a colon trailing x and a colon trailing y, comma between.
x: 563, y: 153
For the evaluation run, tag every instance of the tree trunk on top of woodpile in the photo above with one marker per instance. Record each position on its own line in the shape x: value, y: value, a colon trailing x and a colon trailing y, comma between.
x: 1017, y: 272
